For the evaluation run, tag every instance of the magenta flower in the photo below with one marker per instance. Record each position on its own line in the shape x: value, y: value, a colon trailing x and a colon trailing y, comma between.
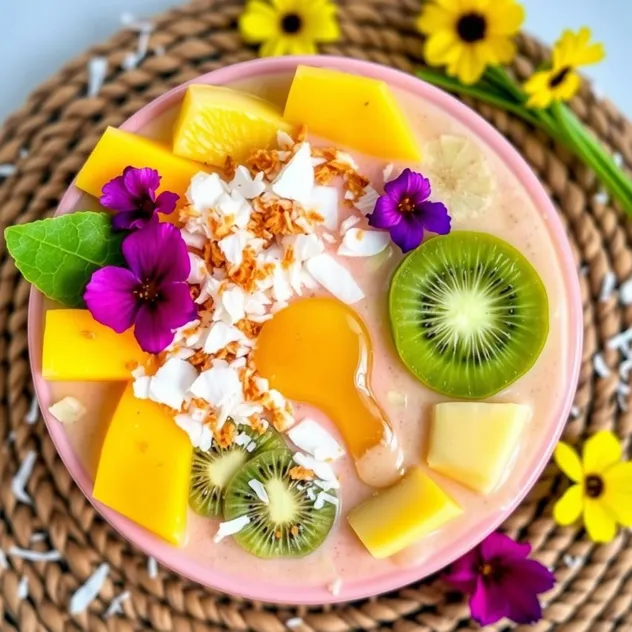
x: 404, y: 210
x: 152, y: 294
x: 133, y: 196
x: 501, y: 581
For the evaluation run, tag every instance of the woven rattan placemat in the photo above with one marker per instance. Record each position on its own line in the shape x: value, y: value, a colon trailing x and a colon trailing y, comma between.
x: 49, y: 138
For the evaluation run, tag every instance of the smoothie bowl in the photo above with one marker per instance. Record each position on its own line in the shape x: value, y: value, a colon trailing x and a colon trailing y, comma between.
x: 328, y: 334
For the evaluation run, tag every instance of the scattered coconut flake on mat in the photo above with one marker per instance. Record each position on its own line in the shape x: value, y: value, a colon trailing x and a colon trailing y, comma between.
x: 294, y: 622
x: 33, y: 412
x: 89, y: 591
x: 230, y: 528
x: 35, y: 556
x: 608, y: 285
x: 97, y: 71
x: 23, y: 588
x: 601, y: 197
x: 625, y: 292
x: 23, y: 153
x: 4, y: 563
x: 397, y: 398
x: 152, y: 567
x: 116, y: 605
x: 20, y: 480
x: 618, y: 159
x: 335, y: 587
x: 573, y: 561
x: 601, y: 368
x: 159, y: 51
x: 7, y: 170
x: 575, y: 412
x: 68, y: 410
x: 38, y: 536
x: 259, y: 489
x: 619, y: 341
x: 624, y: 369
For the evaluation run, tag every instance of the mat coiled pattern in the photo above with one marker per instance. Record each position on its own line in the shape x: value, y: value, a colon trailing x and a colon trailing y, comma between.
x: 49, y: 138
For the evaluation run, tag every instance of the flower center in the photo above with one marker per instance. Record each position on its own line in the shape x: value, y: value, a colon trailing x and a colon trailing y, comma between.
x: 148, y: 206
x: 559, y: 77
x: 594, y: 486
x: 472, y: 27
x: 406, y: 205
x: 291, y: 23
x: 490, y: 571
x: 147, y: 292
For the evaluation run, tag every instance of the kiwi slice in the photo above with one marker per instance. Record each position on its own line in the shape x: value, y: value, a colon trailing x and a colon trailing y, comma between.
x: 212, y: 470
x: 469, y: 314
x: 287, y: 525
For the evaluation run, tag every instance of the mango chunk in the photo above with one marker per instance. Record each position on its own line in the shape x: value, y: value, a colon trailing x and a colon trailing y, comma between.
x: 79, y: 349
x: 473, y: 442
x: 350, y: 110
x: 217, y: 122
x: 144, y: 468
x: 118, y: 149
x: 402, y: 514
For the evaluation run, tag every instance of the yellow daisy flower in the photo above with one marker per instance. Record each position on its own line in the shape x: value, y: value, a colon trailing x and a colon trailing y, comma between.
x: 561, y: 82
x: 289, y: 27
x: 466, y: 36
x: 602, y: 489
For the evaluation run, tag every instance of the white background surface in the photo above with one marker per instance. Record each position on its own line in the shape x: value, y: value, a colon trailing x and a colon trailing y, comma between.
x: 38, y: 36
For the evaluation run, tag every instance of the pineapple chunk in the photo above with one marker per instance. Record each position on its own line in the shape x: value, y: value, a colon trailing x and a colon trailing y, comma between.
x: 473, y: 442
x: 355, y: 111
x: 401, y: 515
x: 79, y: 349
x: 117, y: 149
x: 217, y: 122
x: 144, y: 468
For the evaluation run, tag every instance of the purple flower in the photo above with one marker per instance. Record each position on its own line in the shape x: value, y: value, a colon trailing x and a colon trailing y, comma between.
x: 152, y: 294
x: 501, y: 580
x: 404, y: 210
x: 133, y: 195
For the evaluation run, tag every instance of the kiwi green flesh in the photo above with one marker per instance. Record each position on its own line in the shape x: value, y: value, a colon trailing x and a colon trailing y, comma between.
x: 211, y: 471
x: 287, y: 525
x: 469, y: 314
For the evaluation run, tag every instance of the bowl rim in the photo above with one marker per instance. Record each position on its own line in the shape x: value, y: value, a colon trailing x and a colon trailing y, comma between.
x: 261, y: 589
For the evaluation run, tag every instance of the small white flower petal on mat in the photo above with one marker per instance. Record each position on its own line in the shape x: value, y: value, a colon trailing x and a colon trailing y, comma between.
x: 116, y: 605
x: 22, y: 476
x: 348, y: 223
x: 89, y: 591
x: 218, y: 385
x: 600, y: 366
x: 284, y: 140
x: 573, y: 561
x: 7, y: 170
x: 259, y: 489
x: 575, y: 412
x: 366, y: 203
x: 363, y: 243
x: 322, y: 469
x: 199, y: 271
x: 311, y: 437
x: 33, y: 412
x: 233, y: 246
x: 325, y: 202
x: 35, y: 556
x: 67, y: 410
x: 231, y: 527
x: 335, y: 278
x: 296, y: 179
x: 221, y: 335
x: 97, y: 71
x: 248, y: 186
x: 608, y: 285
x: 199, y: 433
x: 152, y: 567
x: 171, y: 383
x: 625, y: 292
x: 205, y: 190
x: 23, y: 588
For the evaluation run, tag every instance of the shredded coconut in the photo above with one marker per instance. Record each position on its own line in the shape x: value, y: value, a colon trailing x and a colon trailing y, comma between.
x: 294, y: 622
x: 608, y: 286
x: 35, y: 556
x: 625, y: 292
x: 230, y: 527
x: 116, y: 605
x: 324, y: 497
x: 152, y: 567
x: 21, y: 479
x: 38, y: 536
x: 97, y: 71
x: 259, y: 489
x: 23, y: 588
x: 33, y: 412
x: 87, y: 593
x: 335, y: 587
x: 7, y: 170
x: 600, y: 366
x: 620, y: 340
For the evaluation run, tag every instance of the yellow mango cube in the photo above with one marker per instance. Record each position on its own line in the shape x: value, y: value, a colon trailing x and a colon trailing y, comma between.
x: 473, y: 442
x: 79, y: 349
x: 216, y: 122
x: 351, y: 110
x: 401, y: 515
x: 144, y: 468
x: 118, y: 149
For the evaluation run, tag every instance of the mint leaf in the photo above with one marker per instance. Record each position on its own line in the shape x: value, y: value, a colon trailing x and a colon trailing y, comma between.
x: 59, y: 255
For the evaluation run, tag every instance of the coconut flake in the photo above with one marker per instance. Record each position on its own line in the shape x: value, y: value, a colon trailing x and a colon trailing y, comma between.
x: 199, y: 433
x: 312, y: 438
x: 363, y: 243
x: 4, y: 563
x: 172, y: 381
x: 68, y: 410
x: 193, y: 240
x: 397, y: 398
x: 21, y: 478
x: 575, y: 412
x: 33, y: 412
x: 329, y: 238
x: 296, y: 179
x: 35, y: 556
x: 573, y: 561
x: 198, y: 271
x: 352, y: 220
x: 607, y: 286
x: 38, y: 536
x: 259, y: 489
x: 221, y: 335
x: 294, y: 622
x: 284, y: 140
x: 311, y: 495
x: 248, y: 186
x: 600, y: 366
x: 601, y: 197
x: 366, y: 203
x: 152, y: 567
x: 205, y: 190
x: 89, y: 591
x: 335, y: 587
x: 231, y: 306
x: 625, y: 292
x: 23, y: 588
x: 141, y: 386
x: 97, y: 71
x: 233, y: 246
x: 620, y: 340
x: 230, y: 527
x: 326, y: 486
x: 324, y: 497
x: 322, y: 469
x: 217, y: 386
x: 116, y: 605
x: 618, y: 159
x: 251, y: 447
x: 7, y: 170
x: 335, y: 278
x: 325, y: 202
x: 235, y: 206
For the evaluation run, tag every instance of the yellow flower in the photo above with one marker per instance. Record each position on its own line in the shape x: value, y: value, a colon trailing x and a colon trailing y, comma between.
x: 289, y: 27
x: 602, y: 489
x: 561, y: 82
x: 469, y: 35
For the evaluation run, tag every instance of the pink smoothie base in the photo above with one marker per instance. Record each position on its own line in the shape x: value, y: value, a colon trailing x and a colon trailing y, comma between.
x: 264, y: 589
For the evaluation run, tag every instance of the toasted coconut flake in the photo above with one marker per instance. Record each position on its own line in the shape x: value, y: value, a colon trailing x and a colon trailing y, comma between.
x: 299, y: 473
x: 325, y: 202
x: 335, y: 278
x: 217, y: 386
x: 87, y: 593
x: 21, y: 478
x: 284, y: 140
x: 231, y: 527
x: 363, y: 243
x: 68, y: 410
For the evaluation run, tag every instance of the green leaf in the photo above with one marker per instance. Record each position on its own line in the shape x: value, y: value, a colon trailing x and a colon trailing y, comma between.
x: 59, y: 255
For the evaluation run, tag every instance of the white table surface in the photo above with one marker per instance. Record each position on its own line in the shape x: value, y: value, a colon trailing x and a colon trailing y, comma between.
x: 38, y: 36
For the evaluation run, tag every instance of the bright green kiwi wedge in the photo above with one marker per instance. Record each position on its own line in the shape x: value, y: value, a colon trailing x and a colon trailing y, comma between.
x: 287, y: 525
x: 469, y: 314
x: 211, y: 471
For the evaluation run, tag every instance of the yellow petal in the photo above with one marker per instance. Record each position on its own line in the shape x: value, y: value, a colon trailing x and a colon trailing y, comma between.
x: 468, y: 67
x: 442, y: 49
x: 568, y: 461
x: 619, y: 478
x: 501, y: 50
x: 259, y: 22
x: 321, y: 25
x: 538, y: 82
x: 574, y: 49
x: 600, y: 523
x: 540, y: 101
x: 301, y: 46
x: 601, y: 452
x: 569, y: 507
x: 275, y: 47
x: 434, y: 19
x: 506, y: 18
x: 568, y: 88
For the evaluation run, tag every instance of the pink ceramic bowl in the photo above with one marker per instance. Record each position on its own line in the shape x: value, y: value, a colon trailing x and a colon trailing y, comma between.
x: 265, y: 589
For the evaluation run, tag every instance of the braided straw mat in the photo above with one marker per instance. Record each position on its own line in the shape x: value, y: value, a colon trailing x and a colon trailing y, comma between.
x: 58, y: 127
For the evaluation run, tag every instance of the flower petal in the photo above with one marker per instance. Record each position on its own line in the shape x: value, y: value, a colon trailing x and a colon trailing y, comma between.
x: 534, y: 576
x: 569, y: 507
x: 141, y: 183
x: 523, y: 606
x: 385, y: 214
x: 498, y: 545
x: 568, y: 461
x: 464, y: 573
x: 488, y: 604
x: 506, y: 18
x: 110, y: 298
x: 115, y: 196
x: 619, y: 478
x: 469, y: 67
x: 434, y: 19
x: 259, y: 22
x: 408, y: 233
x: 166, y: 202
x: 275, y: 47
x: 398, y: 188
x: 434, y: 216
x: 601, y: 452
x: 157, y: 253
x: 618, y: 492
x: 569, y: 87
x: 441, y: 48
x: 600, y: 523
